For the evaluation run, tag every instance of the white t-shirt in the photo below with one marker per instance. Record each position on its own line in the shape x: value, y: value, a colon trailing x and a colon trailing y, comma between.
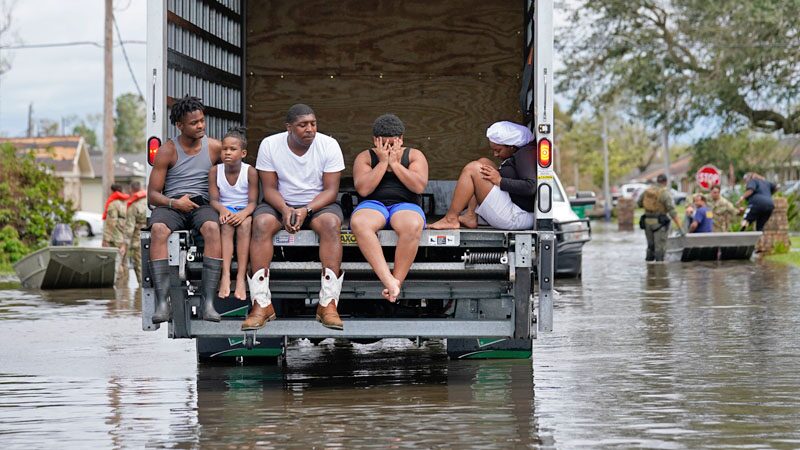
x: 299, y: 177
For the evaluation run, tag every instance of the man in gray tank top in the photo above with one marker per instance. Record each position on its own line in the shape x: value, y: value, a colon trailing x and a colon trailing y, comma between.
x: 178, y: 189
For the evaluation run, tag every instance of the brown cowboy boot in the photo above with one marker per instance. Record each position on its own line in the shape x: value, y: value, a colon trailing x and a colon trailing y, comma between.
x: 329, y: 317
x: 258, y: 317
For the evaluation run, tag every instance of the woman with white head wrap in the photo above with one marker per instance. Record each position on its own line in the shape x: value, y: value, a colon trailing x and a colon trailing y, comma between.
x: 503, y: 197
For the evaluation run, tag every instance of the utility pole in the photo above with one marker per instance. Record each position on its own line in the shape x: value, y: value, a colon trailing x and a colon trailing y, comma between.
x: 576, y: 177
x: 30, y: 119
x: 666, y: 148
x: 606, y: 189
x: 108, y: 101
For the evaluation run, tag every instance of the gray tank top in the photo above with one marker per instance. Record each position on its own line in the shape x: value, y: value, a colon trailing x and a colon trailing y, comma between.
x: 189, y: 175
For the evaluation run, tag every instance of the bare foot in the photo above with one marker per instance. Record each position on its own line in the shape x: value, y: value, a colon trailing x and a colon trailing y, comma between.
x: 224, y: 287
x: 445, y: 223
x: 241, y: 289
x: 468, y: 220
x: 392, y: 290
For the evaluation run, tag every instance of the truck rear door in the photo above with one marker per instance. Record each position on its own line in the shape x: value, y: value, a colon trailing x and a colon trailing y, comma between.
x: 196, y: 47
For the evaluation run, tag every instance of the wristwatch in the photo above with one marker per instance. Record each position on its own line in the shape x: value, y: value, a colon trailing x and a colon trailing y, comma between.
x: 309, y: 210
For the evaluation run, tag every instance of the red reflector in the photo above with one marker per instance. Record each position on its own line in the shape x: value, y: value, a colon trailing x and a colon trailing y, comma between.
x: 153, y: 144
x: 545, y: 153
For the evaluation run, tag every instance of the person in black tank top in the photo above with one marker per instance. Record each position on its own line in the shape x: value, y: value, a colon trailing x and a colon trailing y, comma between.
x: 389, y: 180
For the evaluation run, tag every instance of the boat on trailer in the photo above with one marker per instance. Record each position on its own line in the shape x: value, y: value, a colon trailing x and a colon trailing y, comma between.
x: 712, y: 246
x: 68, y: 267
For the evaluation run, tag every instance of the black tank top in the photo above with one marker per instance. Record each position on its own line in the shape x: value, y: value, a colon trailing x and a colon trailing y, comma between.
x: 391, y: 190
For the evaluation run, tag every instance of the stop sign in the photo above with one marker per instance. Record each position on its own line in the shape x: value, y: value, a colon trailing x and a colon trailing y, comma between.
x: 708, y: 176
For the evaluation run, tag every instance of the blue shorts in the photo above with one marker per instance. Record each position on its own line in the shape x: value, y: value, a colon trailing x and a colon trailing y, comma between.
x: 235, y: 209
x: 389, y: 211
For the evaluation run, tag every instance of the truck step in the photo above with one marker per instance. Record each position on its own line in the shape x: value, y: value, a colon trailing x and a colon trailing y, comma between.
x: 363, y: 328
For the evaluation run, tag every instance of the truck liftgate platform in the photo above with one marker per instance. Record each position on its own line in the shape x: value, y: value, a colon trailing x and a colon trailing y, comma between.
x: 472, y: 287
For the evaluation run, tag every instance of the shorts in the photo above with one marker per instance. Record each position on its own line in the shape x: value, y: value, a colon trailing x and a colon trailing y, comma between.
x: 389, y: 211
x: 759, y: 215
x: 500, y: 212
x: 176, y: 220
x: 333, y: 208
x: 235, y: 209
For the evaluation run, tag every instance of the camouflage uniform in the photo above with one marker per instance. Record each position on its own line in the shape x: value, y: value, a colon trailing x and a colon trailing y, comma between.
x: 114, y: 236
x: 136, y: 220
x: 724, y: 212
x: 658, y: 209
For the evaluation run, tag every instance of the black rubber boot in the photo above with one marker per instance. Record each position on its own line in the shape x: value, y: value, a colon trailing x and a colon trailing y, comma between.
x: 159, y: 270
x: 212, y: 269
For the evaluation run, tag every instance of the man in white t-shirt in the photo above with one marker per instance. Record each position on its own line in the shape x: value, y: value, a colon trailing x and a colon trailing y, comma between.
x: 299, y: 171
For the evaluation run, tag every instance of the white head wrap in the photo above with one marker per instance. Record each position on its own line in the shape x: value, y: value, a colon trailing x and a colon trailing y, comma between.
x: 509, y: 133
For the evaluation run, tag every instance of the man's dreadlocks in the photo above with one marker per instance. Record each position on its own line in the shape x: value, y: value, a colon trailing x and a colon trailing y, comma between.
x: 184, y: 106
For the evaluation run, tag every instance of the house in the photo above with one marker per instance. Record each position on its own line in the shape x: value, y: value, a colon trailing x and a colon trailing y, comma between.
x: 789, y: 168
x: 67, y: 155
x: 80, y: 168
x: 678, y: 172
x: 128, y: 167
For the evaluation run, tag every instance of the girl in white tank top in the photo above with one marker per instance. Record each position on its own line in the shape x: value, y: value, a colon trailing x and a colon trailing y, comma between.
x: 235, y: 201
x: 233, y: 197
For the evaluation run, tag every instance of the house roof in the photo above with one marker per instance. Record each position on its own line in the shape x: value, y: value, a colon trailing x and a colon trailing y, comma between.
x: 678, y: 169
x: 126, y: 165
x: 67, y: 154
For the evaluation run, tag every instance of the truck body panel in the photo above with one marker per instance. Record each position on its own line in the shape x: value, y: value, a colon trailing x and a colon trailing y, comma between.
x: 448, y: 69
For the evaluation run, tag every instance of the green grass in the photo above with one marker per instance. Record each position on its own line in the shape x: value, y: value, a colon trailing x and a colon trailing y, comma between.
x: 793, y: 257
x: 6, y: 268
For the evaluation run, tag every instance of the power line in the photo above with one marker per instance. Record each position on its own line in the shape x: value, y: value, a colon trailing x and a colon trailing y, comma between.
x: 63, y: 44
x: 127, y: 61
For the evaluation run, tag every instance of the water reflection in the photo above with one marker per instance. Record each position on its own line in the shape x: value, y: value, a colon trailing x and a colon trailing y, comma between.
x: 643, y: 355
x: 692, y: 356
x: 377, y: 396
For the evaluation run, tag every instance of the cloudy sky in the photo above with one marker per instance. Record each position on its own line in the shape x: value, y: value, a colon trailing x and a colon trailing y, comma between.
x: 69, y: 80
x: 66, y: 81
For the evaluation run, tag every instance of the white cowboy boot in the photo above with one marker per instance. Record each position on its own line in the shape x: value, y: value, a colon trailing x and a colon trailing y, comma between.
x: 331, y: 288
x: 262, y: 310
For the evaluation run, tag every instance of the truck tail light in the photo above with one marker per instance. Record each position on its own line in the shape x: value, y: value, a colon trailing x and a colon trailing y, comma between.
x: 153, y: 144
x: 545, y: 153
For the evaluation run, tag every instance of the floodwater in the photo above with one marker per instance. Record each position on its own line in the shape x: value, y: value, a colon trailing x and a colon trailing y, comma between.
x: 643, y: 356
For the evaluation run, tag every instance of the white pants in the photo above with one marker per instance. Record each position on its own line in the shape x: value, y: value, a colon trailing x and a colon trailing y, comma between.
x: 500, y: 212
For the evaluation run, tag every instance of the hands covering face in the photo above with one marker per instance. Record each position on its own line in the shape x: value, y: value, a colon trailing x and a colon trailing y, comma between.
x: 389, y: 149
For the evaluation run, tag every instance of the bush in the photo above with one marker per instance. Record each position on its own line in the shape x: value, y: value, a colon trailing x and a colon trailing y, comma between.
x: 11, y: 248
x: 30, y: 203
x: 793, y: 213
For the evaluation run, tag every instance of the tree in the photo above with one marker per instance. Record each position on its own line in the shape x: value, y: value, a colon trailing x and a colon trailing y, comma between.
x: 630, y: 147
x: 742, y: 151
x: 87, y: 128
x: 48, y: 127
x: 678, y: 60
x: 28, y: 224
x: 129, y: 124
x: 6, y: 32
x: 88, y: 134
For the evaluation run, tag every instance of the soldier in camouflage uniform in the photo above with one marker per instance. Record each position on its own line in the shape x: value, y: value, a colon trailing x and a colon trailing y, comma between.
x: 658, y: 210
x: 135, y: 221
x: 723, y: 209
x: 114, y: 229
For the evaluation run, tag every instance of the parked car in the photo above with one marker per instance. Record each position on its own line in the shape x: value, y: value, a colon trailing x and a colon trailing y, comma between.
x: 632, y: 190
x: 790, y: 187
x: 678, y: 197
x: 571, y: 232
x: 87, y: 223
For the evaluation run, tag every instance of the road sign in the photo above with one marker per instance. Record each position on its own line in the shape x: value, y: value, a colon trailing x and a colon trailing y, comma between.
x: 708, y: 176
